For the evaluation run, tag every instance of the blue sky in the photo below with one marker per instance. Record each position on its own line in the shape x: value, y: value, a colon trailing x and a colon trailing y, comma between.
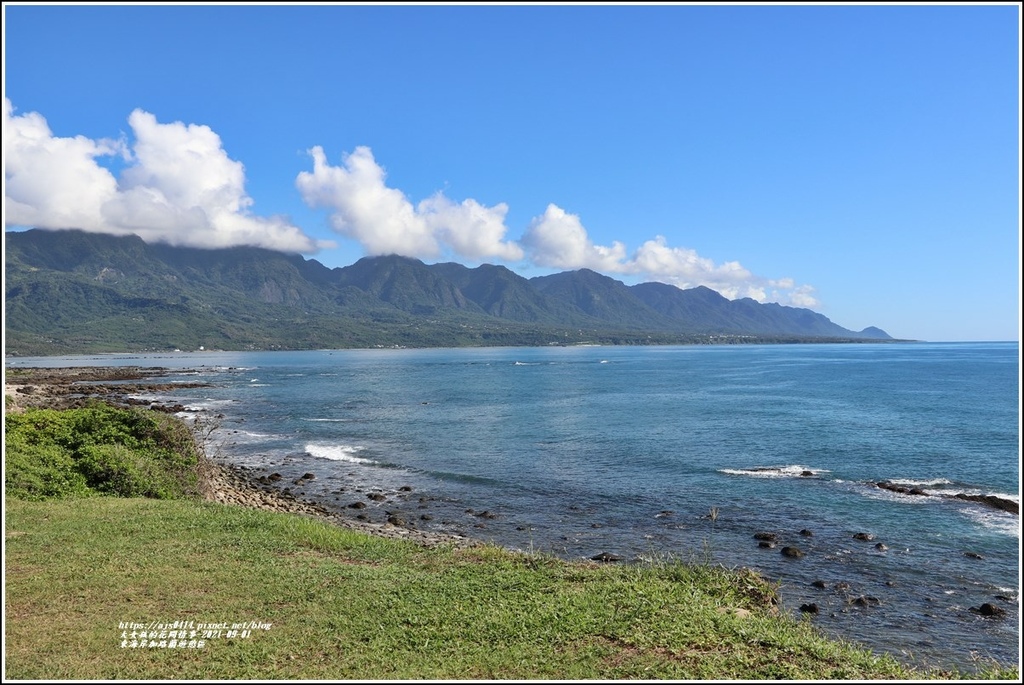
x: 860, y: 160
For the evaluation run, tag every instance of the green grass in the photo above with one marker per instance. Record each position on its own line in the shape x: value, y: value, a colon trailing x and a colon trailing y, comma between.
x: 345, y: 605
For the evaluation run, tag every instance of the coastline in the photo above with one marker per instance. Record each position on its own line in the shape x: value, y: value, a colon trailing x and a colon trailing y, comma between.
x: 257, y: 487
x: 66, y: 388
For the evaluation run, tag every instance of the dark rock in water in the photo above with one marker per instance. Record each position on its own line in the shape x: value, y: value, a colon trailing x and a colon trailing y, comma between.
x: 426, y: 517
x: 1007, y: 505
x: 990, y: 610
x: 805, y: 473
x: 275, y: 476
x: 766, y: 544
x: 357, y: 505
x: 396, y: 520
x: 841, y: 586
x: 377, y: 497
x: 596, y: 525
x: 973, y: 555
x: 363, y: 517
x: 864, y: 537
x: 309, y: 476
x: 820, y: 584
x: 792, y: 552
x: 807, y: 533
x: 770, y: 537
x: 606, y: 556
x: 487, y: 515
x: 865, y: 601
x: 405, y: 488
x: 903, y: 490
x: 662, y: 514
x: 881, y: 546
x: 811, y: 608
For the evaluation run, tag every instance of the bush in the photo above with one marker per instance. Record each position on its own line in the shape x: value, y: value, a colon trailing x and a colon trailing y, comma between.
x: 99, y: 449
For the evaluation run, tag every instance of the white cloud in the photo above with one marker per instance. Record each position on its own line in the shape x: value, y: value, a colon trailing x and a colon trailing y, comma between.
x: 53, y: 182
x: 471, y: 229
x: 384, y: 220
x: 557, y: 239
x: 180, y: 186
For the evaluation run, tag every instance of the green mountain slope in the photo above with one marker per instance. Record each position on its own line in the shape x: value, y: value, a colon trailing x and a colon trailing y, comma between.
x: 77, y: 292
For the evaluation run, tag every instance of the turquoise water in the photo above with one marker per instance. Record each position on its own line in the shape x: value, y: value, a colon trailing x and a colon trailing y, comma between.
x: 627, y: 450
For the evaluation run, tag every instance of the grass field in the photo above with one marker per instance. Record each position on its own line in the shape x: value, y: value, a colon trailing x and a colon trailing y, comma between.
x: 346, y: 605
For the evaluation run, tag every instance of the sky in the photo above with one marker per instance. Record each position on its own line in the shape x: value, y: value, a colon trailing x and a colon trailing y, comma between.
x: 862, y: 161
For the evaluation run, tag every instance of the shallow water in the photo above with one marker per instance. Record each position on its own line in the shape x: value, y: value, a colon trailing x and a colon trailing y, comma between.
x: 628, y: 450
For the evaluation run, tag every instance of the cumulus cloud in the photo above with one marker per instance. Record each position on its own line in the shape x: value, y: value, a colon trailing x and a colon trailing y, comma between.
x: 558, y: 239
x: 385, y: 221
x: 179, y: 186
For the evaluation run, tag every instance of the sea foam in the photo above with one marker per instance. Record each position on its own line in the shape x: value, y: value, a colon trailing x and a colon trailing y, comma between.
x: 338, y: 453
x: 787, y: 471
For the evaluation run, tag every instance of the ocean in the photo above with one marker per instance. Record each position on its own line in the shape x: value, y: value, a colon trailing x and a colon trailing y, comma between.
x: 682, y: 452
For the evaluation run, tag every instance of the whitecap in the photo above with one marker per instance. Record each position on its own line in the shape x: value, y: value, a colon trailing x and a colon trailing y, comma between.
x: 999, y: 522
x: 337, y: 453
x: 786, y: 471
x: 920, y: 483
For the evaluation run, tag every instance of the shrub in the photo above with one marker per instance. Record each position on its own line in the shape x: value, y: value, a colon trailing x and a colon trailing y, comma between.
x: 99, y: 449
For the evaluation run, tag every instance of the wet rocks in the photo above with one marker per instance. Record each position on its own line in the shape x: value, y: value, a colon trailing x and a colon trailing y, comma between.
x: 810, y: 608
x: 989, y: 610
x: 606, y: 557
x: 863, y: 537
x: 792, y: 552
x: 973, y: 555
x: 1007, y: 505
x: 865, y: 601
x: 234, y: 485
x: 396, y: 520
x: 766, y: 537
x: 377, y: 497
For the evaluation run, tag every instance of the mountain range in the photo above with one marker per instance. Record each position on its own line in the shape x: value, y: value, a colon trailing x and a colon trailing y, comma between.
x: 72, y: 292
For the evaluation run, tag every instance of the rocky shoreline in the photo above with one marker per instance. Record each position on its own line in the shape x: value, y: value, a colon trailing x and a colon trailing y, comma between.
x: 67, y: 388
